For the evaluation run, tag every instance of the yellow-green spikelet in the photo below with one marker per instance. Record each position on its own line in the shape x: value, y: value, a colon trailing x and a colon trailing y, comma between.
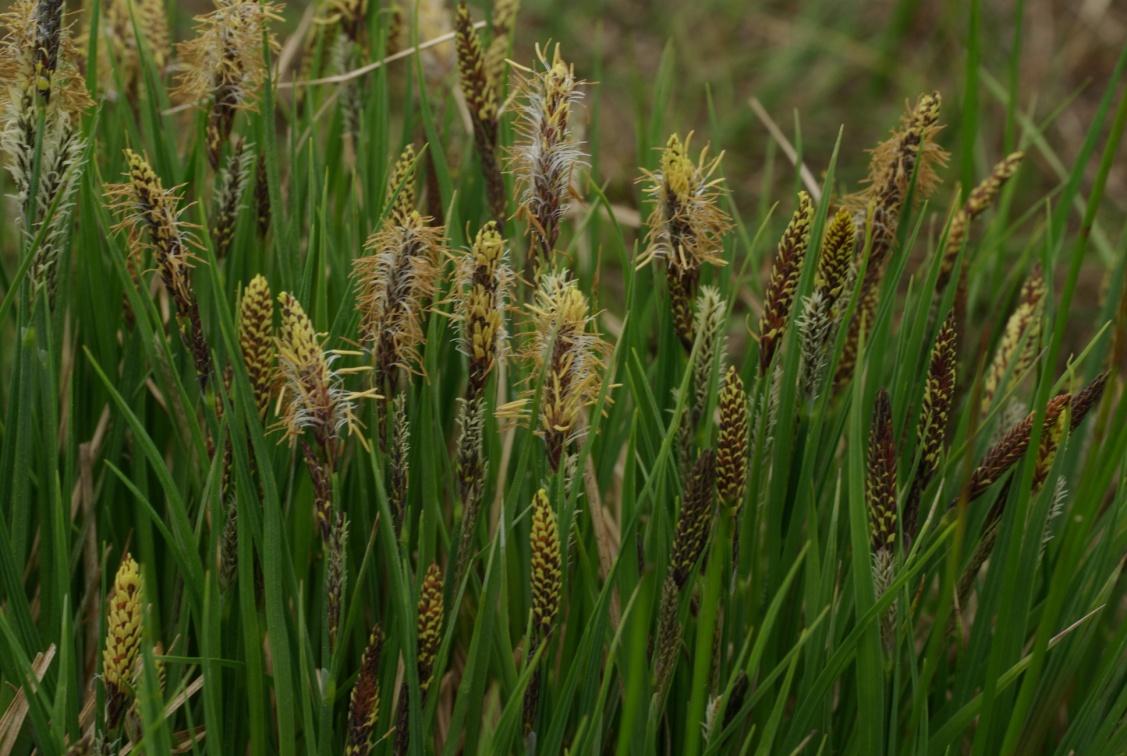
x: 545, y: 542
x: 429, y: 624
x: 401, y: 183
x: 256, y: 337
x: 732, y: 440
x: 123, y: 636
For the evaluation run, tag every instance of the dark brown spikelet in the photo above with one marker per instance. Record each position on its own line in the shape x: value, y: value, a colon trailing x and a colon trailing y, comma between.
x: 939, y: 392
x: 261, y: 199
x: 364, y: 704
x: 732, y: 441
x: 336, y: 576
x: 481, y: 100
x: 146, y: 207
x: 233, y: 180
x: 880, y: 478
x: 784, y: 281
x: 398, y: 464
x: 48, y: 36
x: 256, y: 338
x: 321, y: 474
x: 1011, y: 447
x: 694, y: 519
x: 1087, y: 398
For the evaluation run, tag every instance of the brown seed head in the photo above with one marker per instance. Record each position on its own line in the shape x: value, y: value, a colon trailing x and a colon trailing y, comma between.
x: 1011, y: 447
x: 481, y: 296
x: 364, y: 704
x: 981, y: 198
x: 832, y: 272
x: 880, y: 478
x: 694, y: 520
x: 784, y: 280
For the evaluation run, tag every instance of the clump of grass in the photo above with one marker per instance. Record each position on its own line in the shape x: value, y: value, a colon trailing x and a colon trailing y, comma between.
x: 613, y: 507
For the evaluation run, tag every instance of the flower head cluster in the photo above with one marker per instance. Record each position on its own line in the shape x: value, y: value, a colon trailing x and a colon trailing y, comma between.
x: 686, y: 226
x: 123, y: 638
x: 224, y: 64
x: 313, y: 396
x: 547, y: 151
x: 569, y: 354
x: 484, y: 279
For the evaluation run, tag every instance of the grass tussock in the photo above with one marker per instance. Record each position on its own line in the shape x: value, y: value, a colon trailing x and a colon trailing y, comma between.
x: 368, y: 388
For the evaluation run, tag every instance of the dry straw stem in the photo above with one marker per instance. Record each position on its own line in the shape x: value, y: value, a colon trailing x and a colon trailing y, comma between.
x: 123, y: 639
x: 784, y: 281
x: 732, y: 441
x: 224, y: 65
x: 364, y: 703
x: 565, y: 348
x: 546, y: 152
x: 146, y: 208
x: 481, y: 99
x: 686, y: 226
x: 256, y: 338
x: 939, y: 393
x: 880, y: 478
x: 1021, y: 340
x: 980, y: 199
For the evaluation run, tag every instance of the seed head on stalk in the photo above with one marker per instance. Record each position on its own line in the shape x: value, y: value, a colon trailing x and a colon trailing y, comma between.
x: 481, y: 100
x: 686, y: 226
x: 123, y: 639
x: 569, y: 354
x: 150, y: 212
x: 1021, y: 340
x: 909, y: 154
x: 504, y: 17
x: 783, y: 283
x: 546, y: 153
x: 939, y: 393
x: 732, y: 441
x: 394, y: 283
x: 256, y: 338
x: 364, y: 703
x: 224, y: 65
